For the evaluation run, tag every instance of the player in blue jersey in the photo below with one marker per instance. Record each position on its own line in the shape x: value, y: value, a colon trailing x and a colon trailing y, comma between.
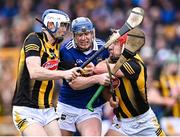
x: 75, y: 95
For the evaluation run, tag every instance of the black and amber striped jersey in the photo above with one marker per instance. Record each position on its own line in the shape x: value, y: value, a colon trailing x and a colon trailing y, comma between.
x: 35, y: 93
x: 132, y: 91
x: 166, y: 85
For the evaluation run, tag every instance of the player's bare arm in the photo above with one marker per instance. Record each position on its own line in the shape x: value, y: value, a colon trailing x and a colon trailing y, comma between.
x: 85, y: 82
x: 39, y: 73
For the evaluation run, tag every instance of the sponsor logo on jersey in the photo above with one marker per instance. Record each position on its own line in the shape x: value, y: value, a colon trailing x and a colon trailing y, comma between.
x: 79, y: 61
x: 51, y: 65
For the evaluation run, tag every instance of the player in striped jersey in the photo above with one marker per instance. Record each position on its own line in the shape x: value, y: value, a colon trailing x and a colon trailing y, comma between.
x: 33, y: 113
x: 136, y: 117
x: 165, y: 87
x: 75, y: 95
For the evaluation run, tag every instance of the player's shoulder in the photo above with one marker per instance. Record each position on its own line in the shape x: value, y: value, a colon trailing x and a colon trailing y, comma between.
x: 67, y: 45
x: 33, y: 38
x: 31, y: 35
x: 100, y: 42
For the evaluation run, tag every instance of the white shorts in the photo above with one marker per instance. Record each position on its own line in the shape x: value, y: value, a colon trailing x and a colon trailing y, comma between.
x: 170, y: 125
x: 143, y: 125
x: 69, y: 116
x: 25, y: 116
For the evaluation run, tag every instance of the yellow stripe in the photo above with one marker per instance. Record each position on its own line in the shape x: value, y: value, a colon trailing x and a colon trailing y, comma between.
x: 121, y: 103
x: 20, y: 67
x: 176, y: 110
x: 172, y: 81
x: 165, y: 90
x: 31, y: 47
x: 125, y: 66
x: 42, y: 93
x: 138, y: 57
x: 57, y: 51
x: 130, y: 68
x: 129, y: 91
x: 178, y: 79
x: 162, y: 133
x: 19, y: 120
x: 141, y: 82
x: 31, y: 50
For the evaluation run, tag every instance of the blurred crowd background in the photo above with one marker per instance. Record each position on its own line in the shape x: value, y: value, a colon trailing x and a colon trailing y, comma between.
x: 161, y: 52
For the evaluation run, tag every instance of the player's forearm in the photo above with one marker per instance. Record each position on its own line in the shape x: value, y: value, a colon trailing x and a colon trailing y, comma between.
x: 102, y: 68
x: 154, y: 97
x: 41, y: 73
x: 84, y: 82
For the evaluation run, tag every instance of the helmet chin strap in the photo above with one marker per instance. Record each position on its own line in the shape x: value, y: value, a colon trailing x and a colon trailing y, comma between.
x: 56, y: 40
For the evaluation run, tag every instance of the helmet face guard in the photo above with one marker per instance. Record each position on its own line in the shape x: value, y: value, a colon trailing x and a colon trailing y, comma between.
x: 81, y: 25
x: 57, y: 17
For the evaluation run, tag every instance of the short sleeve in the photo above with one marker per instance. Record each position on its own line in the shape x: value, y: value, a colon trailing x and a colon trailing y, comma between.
x: 32, y: 46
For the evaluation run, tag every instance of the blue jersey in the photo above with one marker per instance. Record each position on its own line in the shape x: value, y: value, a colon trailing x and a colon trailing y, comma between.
x: 70, y: 57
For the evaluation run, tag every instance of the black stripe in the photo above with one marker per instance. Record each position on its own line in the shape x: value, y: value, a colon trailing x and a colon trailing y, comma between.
x: 158, y: 131
x: 128, y: 26
x: 44, y: 58
x: 126, y: 100
x: 145, y: 75
x: 143, y: 107
x: 122, y: 113
x: 141, y: 103
x: 137, y: 13
x: 37, y: 85
x: 46, y: 96
x: 35, y: 92
x: 137, y: 36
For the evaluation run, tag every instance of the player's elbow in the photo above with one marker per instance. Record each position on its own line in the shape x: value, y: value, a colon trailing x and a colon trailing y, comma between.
x: 75, y: 86
x: 33, y: 74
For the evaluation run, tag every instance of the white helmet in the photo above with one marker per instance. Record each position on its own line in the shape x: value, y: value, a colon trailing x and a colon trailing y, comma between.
x: 57, y: 17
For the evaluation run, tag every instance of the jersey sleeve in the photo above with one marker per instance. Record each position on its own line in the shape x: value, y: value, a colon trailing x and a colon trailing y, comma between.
x: 32, y: 46
x: 131, y: 69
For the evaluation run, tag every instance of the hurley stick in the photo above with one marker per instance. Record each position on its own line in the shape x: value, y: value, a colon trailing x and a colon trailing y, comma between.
x: 135, y: 41
x: 135, y: 18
